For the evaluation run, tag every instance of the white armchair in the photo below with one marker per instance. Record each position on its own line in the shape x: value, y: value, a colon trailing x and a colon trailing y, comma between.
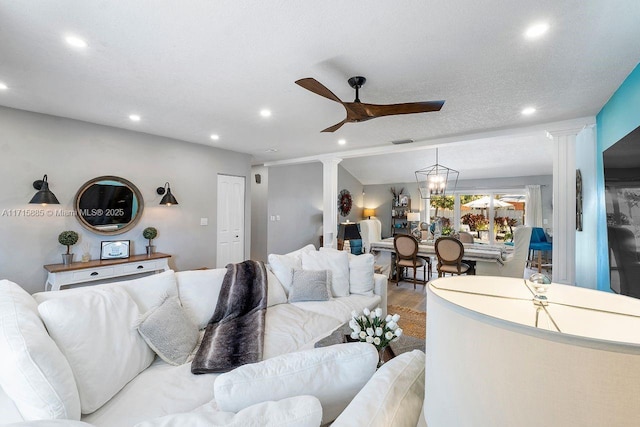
x: 514, y: 265
x: 371, y: 231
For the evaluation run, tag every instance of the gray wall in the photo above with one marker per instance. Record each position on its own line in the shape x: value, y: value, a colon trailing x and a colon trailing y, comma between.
x: 379, y: 197
x: 72, y: 152
x: 259, y: 213
x: 295, y: 195
x: 355, y: 187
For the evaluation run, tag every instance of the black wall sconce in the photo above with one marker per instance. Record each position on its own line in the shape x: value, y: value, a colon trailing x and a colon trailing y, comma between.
x: 44, y: 196
x: 168, y: 198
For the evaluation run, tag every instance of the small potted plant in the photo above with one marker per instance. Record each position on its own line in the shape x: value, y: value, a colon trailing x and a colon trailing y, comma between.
x: 68, y: 238
x: 150, y: 233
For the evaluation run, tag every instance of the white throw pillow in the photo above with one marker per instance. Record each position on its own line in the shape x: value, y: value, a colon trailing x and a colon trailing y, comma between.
x: 275, y: 292
x: 33, y: 371
x: 393, y: 397
x: 283, y: 265
x: 299, y: 411
x: 333, y: 260
x: 169, y: 331
x: 147, y: 292
x: 199, y: 291
x: 96, y: 332
x: 361, y: 274
x: 333, y: 374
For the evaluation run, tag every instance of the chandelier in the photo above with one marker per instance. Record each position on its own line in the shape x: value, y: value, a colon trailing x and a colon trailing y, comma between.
x: 436, y: 180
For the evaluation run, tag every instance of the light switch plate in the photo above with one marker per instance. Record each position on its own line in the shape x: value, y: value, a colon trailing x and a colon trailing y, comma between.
x: 204, y: 221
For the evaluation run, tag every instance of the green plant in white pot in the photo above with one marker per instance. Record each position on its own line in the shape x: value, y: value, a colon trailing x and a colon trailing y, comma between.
x: 68, y: 238
x: 150, y: 233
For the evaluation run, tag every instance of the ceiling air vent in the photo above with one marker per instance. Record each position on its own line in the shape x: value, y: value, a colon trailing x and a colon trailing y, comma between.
x: 402, y: 141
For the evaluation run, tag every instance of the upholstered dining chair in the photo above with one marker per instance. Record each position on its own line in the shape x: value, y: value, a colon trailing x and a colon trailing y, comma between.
x: 450, y: 251
x: 406, y: 247
x: 513, y: 265
x: 539, y: 243
x: 371, y: 231
x: 466, y: 237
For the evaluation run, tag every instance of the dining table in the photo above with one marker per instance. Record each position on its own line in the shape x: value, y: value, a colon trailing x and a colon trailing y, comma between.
x: 384, y: 253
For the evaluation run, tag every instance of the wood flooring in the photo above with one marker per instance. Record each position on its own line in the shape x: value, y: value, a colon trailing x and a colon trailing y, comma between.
x: 404, y: 295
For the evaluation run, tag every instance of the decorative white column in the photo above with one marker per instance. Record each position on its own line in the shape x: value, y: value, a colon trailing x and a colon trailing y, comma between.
x: 330, y: 201
x: 564, y: 205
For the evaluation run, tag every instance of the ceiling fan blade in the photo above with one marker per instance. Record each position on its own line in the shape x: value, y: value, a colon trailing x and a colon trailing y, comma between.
x: 374, y: 110
x: 318, y: 88
x: 335, y: 127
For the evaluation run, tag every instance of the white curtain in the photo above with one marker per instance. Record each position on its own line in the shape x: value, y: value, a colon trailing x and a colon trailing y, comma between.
x: 533, y: 207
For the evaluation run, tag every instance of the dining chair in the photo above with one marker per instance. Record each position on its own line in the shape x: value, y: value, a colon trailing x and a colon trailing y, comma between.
x: 540, y: 244
x: 450, y: 251
x: 466, y: 237
x: 513, y: 264
x: 406, y: 247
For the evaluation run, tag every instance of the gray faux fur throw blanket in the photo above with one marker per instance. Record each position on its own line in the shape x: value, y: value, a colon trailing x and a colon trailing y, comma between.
x: 235, y: 334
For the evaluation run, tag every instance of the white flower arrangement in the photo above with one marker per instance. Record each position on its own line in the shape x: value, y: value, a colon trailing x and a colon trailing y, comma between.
x: 371, y: 327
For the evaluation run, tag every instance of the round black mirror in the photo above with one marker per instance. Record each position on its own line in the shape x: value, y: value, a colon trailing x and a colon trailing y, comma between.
x: 108, y: 205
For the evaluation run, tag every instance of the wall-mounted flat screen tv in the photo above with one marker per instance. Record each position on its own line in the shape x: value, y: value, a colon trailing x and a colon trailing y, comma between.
x: 622, y: 197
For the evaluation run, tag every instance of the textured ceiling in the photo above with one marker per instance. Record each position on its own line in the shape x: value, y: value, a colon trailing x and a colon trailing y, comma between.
x: 198, y: 67
x: 500, y: 157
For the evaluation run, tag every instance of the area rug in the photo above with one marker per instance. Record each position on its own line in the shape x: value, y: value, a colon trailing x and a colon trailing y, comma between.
x: 412, y: 322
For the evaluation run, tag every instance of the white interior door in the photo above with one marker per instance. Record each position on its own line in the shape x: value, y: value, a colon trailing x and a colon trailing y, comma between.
x: 230, y: 247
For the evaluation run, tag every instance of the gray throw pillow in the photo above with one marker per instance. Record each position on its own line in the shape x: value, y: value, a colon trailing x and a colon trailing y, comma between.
x: 169, y: 332
x: 309, y: 285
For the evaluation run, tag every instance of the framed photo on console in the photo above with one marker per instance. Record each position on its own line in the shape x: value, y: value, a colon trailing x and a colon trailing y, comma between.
x: 115, y: 249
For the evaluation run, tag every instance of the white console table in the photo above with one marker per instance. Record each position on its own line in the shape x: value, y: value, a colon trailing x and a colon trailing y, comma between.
x: 83, y: 272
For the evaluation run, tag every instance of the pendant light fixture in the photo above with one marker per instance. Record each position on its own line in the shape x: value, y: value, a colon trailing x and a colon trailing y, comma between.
x: 436, y: 180
x: 44, y: 196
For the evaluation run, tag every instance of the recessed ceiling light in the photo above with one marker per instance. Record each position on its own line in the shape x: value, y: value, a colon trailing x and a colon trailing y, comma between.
x: 75, y: 41
x: 3, y: 86
x: 215, y: 137
x: 528, y: 111
x: 342, y: 141
x: 271, y: 150
x: 265, y: 113
x: 536, y: 30
x: 134, y: 118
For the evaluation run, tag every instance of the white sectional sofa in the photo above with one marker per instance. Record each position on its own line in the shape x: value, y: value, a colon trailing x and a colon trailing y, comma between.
x: 91, y: 365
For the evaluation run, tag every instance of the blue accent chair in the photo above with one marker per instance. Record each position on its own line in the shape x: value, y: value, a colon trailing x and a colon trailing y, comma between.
x: 538, y: 243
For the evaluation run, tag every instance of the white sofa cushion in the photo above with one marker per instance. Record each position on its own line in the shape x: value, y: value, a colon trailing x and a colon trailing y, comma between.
x: 159, y: 390
x: 299, y: 411
x: 283, y: 265
x: 199, y: 290
x: 169, y: 331
x: 95, y: 330
x: 33, y: 371
x: 275, y: 291
x: 333, y: 374
x: 289, y: 328
x: 361, y: 274
x: 147, y: 292
x: 333, y: 260
x: 341, y: 308
x: 393, y: 396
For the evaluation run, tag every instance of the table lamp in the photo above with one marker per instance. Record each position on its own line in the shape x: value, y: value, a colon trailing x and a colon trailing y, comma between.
x: 411, y: 218
x: 368, y: 212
